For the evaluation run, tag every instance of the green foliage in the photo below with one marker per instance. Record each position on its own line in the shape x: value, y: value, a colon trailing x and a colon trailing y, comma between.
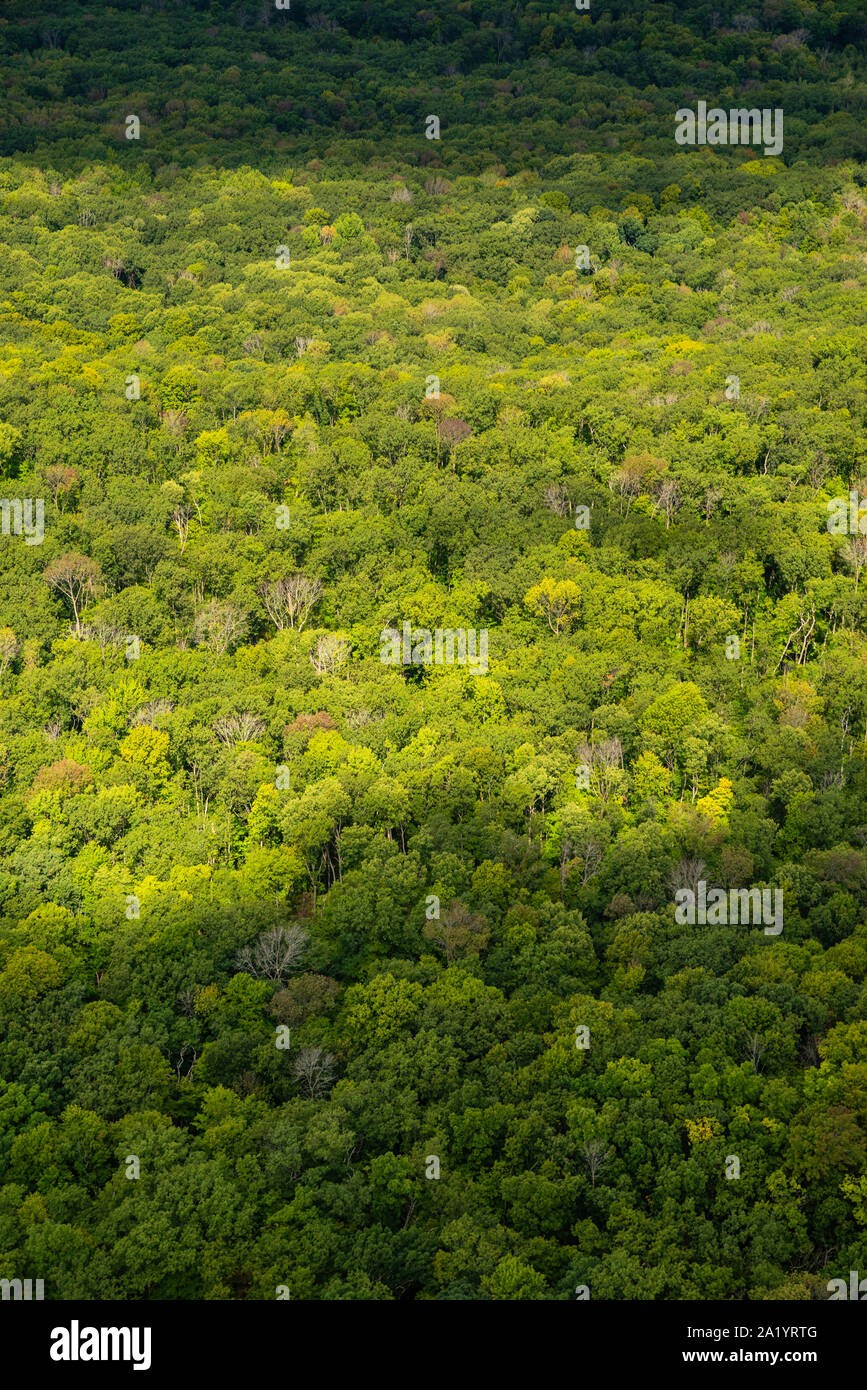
x: 315, y: 938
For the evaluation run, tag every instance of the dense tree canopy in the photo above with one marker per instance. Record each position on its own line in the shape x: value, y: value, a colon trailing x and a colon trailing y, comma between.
x: 364, y: 979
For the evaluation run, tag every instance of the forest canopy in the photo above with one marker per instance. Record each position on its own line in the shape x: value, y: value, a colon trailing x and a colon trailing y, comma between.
x: 363, y: 978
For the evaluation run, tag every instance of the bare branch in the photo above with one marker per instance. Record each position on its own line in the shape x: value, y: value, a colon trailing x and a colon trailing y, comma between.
x: 275, y: 955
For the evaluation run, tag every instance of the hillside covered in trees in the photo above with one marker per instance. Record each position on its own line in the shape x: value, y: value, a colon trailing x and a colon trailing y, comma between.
x: 335, y: 976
